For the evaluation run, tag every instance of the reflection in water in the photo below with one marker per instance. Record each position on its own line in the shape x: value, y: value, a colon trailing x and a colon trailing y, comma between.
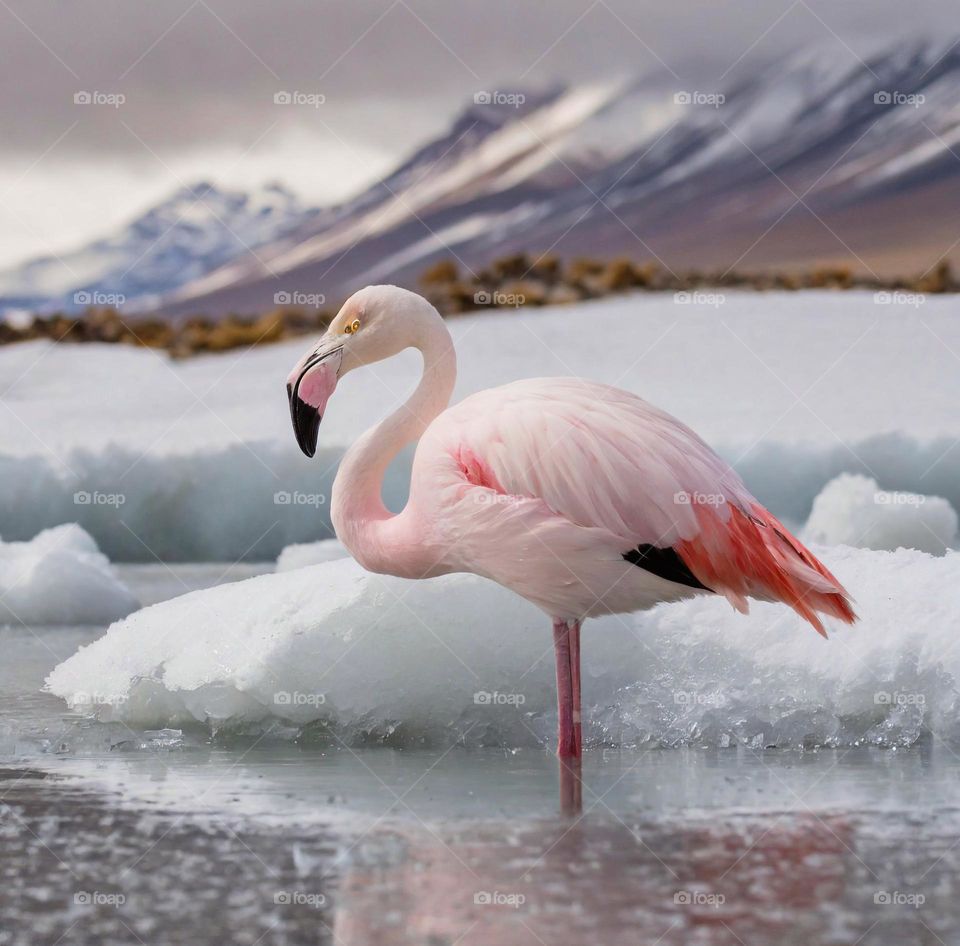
x: 571, y: 784
x: 793, y: 878
x: 441, y: 848
x: 261, y: 842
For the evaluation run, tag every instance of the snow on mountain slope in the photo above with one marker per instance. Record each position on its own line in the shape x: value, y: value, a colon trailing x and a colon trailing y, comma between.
x: 817, y: 157
x: 490, y: 149
x: 198, y: 228
x: 693, y: 177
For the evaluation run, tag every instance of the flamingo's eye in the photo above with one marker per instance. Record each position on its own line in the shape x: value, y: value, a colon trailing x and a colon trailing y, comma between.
x: 351, y: 327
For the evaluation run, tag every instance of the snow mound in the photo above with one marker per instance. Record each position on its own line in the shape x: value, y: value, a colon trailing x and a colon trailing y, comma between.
x: 853, y: 510
x: 60, y: 577
x: 302, y: 554
x: 217, y: 438
x: 333, y: 653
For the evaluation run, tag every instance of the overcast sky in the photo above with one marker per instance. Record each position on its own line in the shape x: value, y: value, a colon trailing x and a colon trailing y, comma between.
x: 199, y: 77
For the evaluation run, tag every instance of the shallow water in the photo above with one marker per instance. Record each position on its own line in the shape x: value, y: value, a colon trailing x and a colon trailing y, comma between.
x: 111, y: 835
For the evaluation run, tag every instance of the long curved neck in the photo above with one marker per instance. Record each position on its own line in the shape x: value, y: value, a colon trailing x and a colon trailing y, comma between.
x: 378, y: 539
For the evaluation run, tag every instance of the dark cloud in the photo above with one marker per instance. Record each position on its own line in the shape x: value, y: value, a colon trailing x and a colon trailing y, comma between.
x: 200, y: 73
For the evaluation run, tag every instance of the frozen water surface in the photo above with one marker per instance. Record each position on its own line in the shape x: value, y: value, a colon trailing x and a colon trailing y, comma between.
x: 319, y: 755
x: 254, y: 838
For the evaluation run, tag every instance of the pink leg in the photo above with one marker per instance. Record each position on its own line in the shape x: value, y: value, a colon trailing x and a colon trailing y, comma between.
x: 566, y: 643
x: 567, y: 712
x: 575, y: 675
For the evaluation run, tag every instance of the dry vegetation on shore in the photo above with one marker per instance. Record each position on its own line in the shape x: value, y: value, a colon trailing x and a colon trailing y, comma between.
x: 511, y: 282
x: 522, y: 280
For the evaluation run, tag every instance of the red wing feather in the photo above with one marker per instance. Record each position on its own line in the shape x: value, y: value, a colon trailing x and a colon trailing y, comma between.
x: 754, y: 554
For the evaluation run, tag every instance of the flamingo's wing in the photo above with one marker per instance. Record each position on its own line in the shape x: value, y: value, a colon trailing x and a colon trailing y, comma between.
x: 602, y: 457
x: 597, y: 455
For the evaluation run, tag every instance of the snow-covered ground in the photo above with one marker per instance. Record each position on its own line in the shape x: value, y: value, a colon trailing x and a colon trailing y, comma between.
x: 304, y: 554
x: 372, y: 658
x: 195, y: 460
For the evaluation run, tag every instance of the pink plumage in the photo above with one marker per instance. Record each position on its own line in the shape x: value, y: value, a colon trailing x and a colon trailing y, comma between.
x: 590, y: 472
x: 580, y: 497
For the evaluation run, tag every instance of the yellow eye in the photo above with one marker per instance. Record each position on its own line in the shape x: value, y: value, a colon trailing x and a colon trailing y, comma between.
x: 352, y: 327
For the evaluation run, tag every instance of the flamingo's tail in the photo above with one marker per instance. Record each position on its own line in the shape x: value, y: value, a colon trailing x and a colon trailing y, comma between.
x: 752, y: 553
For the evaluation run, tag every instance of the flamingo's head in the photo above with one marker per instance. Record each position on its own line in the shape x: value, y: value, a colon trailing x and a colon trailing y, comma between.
x: 374, y: 323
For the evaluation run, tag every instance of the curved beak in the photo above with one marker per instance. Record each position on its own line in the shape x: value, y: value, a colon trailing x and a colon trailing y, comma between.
x: 309, y: 387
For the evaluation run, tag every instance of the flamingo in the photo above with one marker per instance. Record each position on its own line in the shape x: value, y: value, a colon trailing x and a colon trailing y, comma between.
x: 582, y: 498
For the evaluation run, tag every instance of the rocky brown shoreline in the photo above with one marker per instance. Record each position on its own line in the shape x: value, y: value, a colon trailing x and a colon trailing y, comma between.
x: 512, y: 282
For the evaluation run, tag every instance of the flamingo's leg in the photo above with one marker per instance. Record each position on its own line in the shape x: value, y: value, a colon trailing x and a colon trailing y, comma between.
x: 575, y: 675
x: 566, y: 645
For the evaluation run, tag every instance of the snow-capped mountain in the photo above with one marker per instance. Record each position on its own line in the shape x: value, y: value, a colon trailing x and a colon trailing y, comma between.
x: 816, y: 158
x: 199, y: 228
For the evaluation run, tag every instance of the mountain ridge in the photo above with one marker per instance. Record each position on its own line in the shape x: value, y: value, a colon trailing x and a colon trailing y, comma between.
x: 817, y: 159
x: 197, y: 228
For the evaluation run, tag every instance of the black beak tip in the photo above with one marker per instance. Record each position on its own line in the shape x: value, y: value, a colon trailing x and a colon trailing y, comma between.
x: 306, y: 422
